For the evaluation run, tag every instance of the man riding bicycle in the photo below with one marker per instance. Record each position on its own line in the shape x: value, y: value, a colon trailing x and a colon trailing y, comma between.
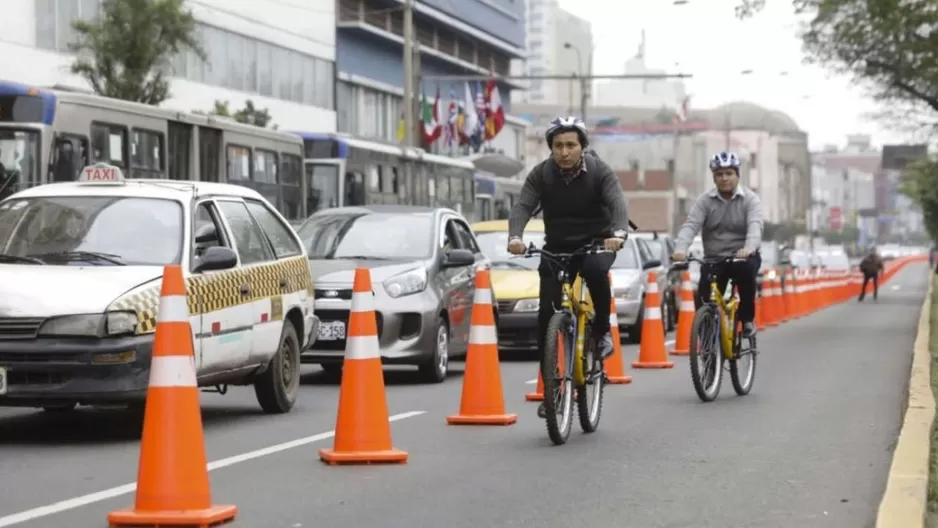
x: 582, y: 202
x: 729, y: 219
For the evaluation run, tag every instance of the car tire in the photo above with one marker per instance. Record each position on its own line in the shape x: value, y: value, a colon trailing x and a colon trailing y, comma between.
x: 635, y: 333
x: 332, y: 368
x: 436, y: 367
x: 277, y: 387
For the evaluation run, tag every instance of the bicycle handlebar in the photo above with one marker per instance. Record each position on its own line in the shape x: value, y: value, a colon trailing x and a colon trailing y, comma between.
x: 593, y: 248
x: 711, y: 261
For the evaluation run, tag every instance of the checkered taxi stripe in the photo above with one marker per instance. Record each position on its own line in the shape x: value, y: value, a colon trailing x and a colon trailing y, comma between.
x: 209, y: 293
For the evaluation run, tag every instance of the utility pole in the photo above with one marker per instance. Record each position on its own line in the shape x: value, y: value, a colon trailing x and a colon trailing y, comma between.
x: 409, y: 75
x: 585, y: 83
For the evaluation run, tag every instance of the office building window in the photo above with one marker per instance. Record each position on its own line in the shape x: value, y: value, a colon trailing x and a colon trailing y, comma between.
x: 367, y: 112
x: 237, y: 62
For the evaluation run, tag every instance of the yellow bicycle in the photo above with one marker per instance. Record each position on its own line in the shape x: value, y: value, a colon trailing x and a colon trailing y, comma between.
x: 716, y: 338
x: 581, y: 368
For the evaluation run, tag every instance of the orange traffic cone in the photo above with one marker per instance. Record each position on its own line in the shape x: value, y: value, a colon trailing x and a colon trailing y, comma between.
x: 172, y: 479
x: 651, y: 352
x: 685, y: 317
x: 483, y: 399
x: 538, y: 394
x: 362, y: 429
x: 615, y: 365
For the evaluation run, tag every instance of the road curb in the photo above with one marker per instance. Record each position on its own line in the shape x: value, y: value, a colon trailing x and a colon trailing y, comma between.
x: 906, y: 497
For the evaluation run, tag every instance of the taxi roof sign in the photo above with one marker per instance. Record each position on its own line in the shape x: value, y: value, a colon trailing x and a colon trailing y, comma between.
x: 101, y: 173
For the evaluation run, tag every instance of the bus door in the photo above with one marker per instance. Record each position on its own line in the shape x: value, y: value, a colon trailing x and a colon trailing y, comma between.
x: 322, y: 185
x: 69, y: 156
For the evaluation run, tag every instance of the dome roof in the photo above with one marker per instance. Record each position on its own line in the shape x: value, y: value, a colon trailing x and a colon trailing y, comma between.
x: 752, y: 116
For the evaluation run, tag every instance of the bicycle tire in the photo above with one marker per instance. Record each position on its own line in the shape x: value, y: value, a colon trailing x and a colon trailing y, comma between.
x: 738, y: 386
x: 590, y: 410
x: 705, y: 315
x: 558, y: 431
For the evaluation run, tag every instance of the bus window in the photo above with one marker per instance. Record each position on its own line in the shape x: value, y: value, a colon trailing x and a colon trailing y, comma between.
x: 209, y: 152
x: 146, y: 158
x: 19, y: 160
x: 322, y: 187
x: 69, y: 156
x: 354, y: 188
x: 239, y: 164
x: 109, y: 144
x: 292, y: 196
x: 178, y: 150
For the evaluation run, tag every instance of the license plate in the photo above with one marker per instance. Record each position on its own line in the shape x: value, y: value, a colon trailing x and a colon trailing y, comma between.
x: 331, y: 331
x: 3, y: 381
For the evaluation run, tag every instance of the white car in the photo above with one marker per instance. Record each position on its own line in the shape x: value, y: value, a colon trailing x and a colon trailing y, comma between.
x: 81, y: 265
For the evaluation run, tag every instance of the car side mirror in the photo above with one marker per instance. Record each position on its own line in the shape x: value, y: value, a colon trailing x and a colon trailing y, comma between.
x: 651, y: 264
x: 216, y: 258
x: 205, y: 234
x: 458, y: 258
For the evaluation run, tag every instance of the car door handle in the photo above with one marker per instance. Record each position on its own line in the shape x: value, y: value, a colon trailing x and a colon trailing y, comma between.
x: 245, y: 290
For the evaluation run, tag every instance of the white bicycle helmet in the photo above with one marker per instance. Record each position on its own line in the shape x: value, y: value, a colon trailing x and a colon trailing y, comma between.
x: 725, y: 160
x: 567, y: 124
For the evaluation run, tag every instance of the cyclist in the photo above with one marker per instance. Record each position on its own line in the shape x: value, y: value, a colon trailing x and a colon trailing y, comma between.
x: 581, y: 201
x: 872, y: 268
x: 729, y: 219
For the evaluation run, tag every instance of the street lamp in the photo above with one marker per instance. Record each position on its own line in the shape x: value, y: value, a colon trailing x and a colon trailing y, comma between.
x: 583, y: 81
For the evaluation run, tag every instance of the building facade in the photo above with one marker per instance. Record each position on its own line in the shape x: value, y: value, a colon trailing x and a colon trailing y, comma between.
x: 557, y: 43
x: 279, y: 55
x: 469, y: 37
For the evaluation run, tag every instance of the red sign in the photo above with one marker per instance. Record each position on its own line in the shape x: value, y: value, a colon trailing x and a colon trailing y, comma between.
x: 101, y: 172
x: 835, y: 218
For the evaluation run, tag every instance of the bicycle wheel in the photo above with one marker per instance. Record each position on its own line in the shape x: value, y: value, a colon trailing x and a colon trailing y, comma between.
x: 706, y: 358
x: 558, y: 380
x: 589, y: 396
x: 744, y: 350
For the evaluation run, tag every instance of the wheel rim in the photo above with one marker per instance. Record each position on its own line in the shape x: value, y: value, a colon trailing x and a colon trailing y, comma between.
x: 708, y: 357
x: 596, y: 387
x: 745, y: 374
x: 442, y: 349
x: 288, y: 363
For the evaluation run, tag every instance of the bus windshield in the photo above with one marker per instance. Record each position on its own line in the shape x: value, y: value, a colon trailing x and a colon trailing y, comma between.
x: 19, y: 160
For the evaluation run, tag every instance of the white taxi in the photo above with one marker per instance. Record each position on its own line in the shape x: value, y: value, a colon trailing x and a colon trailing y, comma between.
x: 80, y: 271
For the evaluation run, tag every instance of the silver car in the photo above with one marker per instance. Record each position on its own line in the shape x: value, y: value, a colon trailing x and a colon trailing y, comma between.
x: 423, y: 263
x: 630, y: 274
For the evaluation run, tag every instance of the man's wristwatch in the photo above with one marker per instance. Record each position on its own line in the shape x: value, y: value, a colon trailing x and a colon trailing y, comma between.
x: 620, y: 233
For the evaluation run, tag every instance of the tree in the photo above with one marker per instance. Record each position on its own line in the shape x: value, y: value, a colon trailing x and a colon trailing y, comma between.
x: 885, y: 45
x: 249, y: 115
x: 125, y: 53
x: 920, y: 183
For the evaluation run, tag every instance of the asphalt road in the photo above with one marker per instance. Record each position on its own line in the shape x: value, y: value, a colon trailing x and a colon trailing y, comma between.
x: 810, y: 447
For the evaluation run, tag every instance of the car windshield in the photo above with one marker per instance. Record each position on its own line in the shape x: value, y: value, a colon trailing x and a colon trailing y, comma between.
x: 625, y: 258
x: 494, y: 246
x: 98, y: 230
x: 368, y: 236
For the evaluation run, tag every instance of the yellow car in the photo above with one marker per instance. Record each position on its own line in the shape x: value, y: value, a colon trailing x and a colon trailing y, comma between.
x: 515, y: 282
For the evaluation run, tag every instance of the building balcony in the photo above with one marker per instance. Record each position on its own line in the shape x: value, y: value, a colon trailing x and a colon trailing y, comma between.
x: 477, y: 53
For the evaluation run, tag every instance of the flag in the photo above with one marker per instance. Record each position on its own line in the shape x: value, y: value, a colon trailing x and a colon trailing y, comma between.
x: 450, y: 131
x: 494, y: 113
x: 400, y: 129
x: 470, y: 118
x: 478, y: 134
x: 429, y: 119
x: 680, y: 116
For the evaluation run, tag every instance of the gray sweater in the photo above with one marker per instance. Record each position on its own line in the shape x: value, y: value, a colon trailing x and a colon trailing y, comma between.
x: 726, y: 226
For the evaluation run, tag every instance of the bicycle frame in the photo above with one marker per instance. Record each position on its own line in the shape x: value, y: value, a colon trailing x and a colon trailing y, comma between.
x: 582, y: 313
x: 727, y: 312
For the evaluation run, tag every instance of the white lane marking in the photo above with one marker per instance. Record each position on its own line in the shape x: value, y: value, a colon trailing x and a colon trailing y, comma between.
x: 91, y: 498
x: 534, y: 381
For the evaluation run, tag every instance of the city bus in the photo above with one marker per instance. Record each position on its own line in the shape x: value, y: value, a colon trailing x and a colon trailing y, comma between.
x: 49, y: 134
x: 344, y: 170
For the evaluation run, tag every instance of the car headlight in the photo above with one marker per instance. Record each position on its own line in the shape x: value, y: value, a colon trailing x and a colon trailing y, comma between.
x: 527, y: 305
x: 628, y: 293
x: 91, y: 325
x: 407, y: 283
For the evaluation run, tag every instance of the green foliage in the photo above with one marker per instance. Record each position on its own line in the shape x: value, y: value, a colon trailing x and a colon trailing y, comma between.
x: 125, y: 53
x: 920, y: 183
x: 249, y: 115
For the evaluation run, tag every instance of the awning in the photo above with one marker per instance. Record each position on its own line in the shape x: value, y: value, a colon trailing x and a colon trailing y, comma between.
x: 498, y: 164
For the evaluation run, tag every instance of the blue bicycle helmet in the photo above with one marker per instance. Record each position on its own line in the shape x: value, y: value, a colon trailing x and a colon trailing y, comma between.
x: 725, y: 160
x: 567, y: 124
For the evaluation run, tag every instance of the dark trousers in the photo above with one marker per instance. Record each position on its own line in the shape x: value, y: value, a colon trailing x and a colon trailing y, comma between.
x: 866, y: 279
x: 595, y: 272
x: 744, y: 275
